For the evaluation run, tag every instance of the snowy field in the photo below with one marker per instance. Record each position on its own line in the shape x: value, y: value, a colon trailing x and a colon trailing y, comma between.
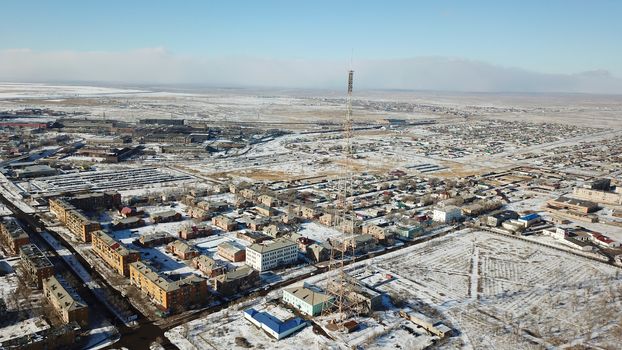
x: 220, y: 330
x: 57, y: 93
x: 318, y: 232
x: 228, y: 329
x: 502, y: 293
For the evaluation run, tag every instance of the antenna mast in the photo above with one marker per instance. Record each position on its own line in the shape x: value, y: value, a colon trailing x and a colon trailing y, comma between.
x: 340, y: 286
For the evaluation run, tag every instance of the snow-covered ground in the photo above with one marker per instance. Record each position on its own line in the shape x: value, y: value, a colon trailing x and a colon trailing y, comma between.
x: 57, y: 93
x: 319, y: 232
x: 550, y: 296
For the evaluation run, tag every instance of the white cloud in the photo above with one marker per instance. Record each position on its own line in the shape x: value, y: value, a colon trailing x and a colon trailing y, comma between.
x: 157, y: 65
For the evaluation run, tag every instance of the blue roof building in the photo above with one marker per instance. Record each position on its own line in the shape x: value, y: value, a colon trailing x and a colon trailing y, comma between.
x: 272, y: 325
x: 530, y: 217
x: 528, y: 220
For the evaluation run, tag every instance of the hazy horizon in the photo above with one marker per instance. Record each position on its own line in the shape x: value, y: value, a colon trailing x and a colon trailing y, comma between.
x: 480, y: 46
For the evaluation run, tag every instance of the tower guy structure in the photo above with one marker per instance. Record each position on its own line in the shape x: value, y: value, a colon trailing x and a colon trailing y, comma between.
x: 341, y: 286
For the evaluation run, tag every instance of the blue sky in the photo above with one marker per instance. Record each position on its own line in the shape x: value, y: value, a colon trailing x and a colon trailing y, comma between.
x: 554, y: 36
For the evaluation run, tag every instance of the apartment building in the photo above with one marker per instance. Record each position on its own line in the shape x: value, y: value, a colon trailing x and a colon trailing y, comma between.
x: 114, y: 253
x: 35, y: 264
x: 66, y: 301
x: 80, y: 225
x: 73, y: 219
x: 12, y: 236
x: 96, y: 200
x: 59, y: 207
x: 263, y: 257
x: 166, y: 294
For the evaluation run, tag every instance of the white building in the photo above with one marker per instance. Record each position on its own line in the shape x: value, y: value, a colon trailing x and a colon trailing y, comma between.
x: 447, y: 214
x: 264, y: 257
x: 558, y: 233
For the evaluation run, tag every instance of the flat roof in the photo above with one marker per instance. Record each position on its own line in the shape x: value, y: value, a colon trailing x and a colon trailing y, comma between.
x: 576, y: 202
x: 160, y: 280
x: 277, y: 244
x: 14, y: 229
x: 307, y: 295
x: 35, y: 255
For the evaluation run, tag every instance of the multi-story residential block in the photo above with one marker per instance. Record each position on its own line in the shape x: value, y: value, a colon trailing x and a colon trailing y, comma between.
x: 35, y: 264
x: 350, y: 226
x: 73, y: 219
x: 264, y: 257
x: 96, y: 200
x: 59, y: 207
x: 80, y: 225
x: 114, y: 253
x: 12, y: 235
x: 168, y: 295
x: 66, y: 301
